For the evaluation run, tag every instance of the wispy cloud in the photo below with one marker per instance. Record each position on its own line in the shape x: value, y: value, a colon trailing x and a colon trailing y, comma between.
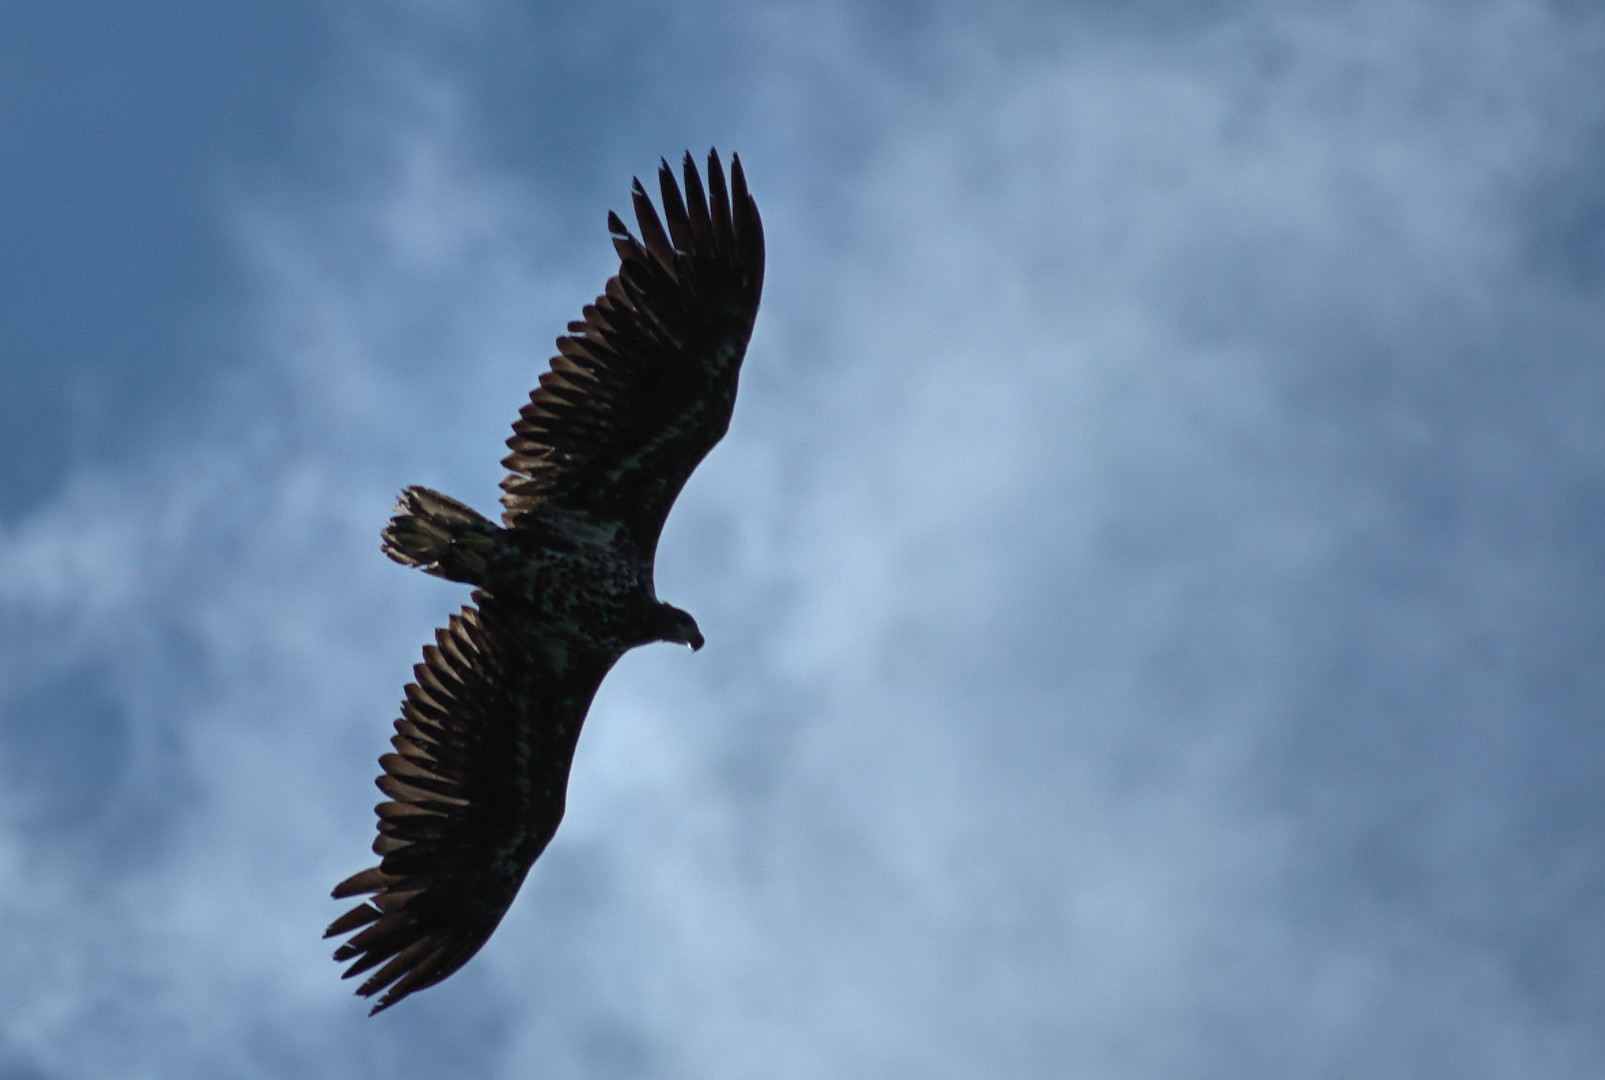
x: 1148, y: 580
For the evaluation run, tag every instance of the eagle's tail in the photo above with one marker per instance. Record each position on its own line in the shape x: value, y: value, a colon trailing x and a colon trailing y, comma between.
x: 440, y: 536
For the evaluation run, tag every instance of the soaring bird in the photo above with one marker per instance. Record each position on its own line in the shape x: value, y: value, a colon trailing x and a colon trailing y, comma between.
x: 640, y: 390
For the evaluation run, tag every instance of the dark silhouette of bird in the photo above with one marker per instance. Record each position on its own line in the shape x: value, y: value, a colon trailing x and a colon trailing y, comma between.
x: 640, y: 390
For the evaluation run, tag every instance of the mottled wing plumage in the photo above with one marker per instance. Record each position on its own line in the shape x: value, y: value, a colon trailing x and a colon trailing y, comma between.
x: 643, y: 386
x: 640, y: 391
x: 476, y: 789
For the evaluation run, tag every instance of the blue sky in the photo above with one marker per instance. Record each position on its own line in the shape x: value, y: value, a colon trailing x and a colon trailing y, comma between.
x: 1153, y: 581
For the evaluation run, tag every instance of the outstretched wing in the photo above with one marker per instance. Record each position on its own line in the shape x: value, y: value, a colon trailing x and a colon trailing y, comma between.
x: 642, y: 388
x: 476, y: 788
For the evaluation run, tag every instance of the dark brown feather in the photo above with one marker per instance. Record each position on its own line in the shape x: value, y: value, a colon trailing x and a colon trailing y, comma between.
x: 640, y: 390
x: 642, y: 387
x: 464, y: 822
x: 652, y: 234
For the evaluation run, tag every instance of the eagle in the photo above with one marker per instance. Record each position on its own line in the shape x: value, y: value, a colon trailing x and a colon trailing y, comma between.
x: 641, y: 388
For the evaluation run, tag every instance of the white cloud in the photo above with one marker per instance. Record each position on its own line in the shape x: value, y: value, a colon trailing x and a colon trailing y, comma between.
x: 1074, y: 480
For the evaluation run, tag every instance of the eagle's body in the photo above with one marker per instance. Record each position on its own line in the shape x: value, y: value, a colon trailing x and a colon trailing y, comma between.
x: 640, y: 391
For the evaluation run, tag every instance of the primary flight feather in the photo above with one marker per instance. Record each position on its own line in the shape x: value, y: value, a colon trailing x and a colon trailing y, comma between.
x: 640, y: 390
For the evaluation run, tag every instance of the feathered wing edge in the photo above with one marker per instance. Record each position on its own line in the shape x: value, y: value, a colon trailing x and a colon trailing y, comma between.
x: 465, y: 818
x: 642, y: 387
x: 639, y: 392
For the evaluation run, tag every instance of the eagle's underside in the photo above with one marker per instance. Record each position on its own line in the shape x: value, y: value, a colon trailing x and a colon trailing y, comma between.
x: 640, y: 391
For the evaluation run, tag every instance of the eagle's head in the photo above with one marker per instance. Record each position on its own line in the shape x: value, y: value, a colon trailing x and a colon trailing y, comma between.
x: 676, y: 625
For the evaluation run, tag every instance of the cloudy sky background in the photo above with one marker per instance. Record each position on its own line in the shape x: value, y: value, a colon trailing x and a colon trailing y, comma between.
x: 1154, y: 580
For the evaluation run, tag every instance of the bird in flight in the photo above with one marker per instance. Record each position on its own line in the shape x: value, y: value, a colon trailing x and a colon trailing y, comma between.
x: 640, y: 390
